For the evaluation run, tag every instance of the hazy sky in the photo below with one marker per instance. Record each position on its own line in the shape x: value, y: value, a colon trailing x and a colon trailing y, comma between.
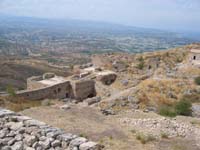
x: 163, y: 14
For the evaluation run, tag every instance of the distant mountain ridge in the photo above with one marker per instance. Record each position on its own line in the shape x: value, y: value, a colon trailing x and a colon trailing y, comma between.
x: 83, y: 36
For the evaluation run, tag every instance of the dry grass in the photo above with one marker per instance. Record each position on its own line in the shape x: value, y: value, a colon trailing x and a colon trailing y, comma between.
x: 145, y: 138
x: 17, y: 104
x: 195, y: 122
x: 159, y: 92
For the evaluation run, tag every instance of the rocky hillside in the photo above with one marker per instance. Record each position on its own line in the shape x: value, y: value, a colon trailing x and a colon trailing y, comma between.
x: 152, y: 79
x: 15, y: 71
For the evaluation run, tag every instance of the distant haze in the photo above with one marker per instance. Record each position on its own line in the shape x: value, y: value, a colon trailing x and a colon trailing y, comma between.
x: 175, y: 15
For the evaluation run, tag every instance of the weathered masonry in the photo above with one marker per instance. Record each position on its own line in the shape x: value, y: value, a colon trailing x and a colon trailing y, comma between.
x: 23, y: 133
x: 194, y: 57
x: 52, y: 86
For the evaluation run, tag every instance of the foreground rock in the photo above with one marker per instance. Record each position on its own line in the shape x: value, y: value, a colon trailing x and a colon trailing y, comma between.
x: 23, y: 133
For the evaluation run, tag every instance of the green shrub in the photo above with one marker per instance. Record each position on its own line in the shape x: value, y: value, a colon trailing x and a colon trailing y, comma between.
x: 183, y: 107
x: 140, y: 65
x: 167, y: 111
x: 178, y: 60
x: 133, y: 131
x: 83, y: 135
x: 10, y: 90
x: 145, y: 138
x: 141, y: 59
x: 197, y: 80
x: 164, y: 135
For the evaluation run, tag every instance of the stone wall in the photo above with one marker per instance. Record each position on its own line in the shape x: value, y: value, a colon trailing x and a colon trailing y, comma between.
x: 107, y: 79
x: 83, y: 89
x: 62, y: 90
x: 194, y: 56
x: 33, y: 84
x: 194, y: 59
x: 23, y: 133
x: 77, y: 89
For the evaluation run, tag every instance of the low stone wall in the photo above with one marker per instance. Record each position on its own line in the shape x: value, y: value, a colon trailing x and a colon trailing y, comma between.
x: 19, y: 132
x: 61, y: 90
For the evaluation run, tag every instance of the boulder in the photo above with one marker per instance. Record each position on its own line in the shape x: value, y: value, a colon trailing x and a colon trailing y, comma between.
x: 196, y: 110
x: 65, y: 107
x: 91, y: 101
x: 124, y: 82
x: 107, y: 78
x: 18, y: 146
x: 89, y: 146
x: 77, y: 142
x: 30, y: 140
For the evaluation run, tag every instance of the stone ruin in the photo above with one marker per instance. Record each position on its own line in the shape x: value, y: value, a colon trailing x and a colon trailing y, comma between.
x: 106, y: 77
x: 19, y: 132
x: 51, y: 86
x: 194, y: 57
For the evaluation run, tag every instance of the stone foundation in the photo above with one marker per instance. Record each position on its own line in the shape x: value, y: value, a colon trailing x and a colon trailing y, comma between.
x: 19, y: 132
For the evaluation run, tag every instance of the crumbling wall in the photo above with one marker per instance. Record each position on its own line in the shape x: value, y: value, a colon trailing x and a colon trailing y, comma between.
x: 32, y: 82
x: 107, y: 79
x: 62, y: 90
x: 23, y: 133
x: 83, y: 89
x: 194, y: 56
x: 194, y: 59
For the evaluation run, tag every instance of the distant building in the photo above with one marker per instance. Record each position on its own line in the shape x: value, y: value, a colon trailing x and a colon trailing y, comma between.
x: 194, y: 57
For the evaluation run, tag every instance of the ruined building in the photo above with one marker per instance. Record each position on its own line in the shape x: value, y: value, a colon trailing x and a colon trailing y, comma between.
x: 194, y: 57
x: 51, y: 86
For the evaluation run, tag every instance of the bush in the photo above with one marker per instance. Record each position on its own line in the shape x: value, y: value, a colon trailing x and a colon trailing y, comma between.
x: 197, y: 80
x: 164, y: 135
x: 183, y: 107
x: 145, y: 138
x: 141, y: 59
x: 10, y: 90
x: 167, y: 111
x: 83, y: 135
x: 140, y: 65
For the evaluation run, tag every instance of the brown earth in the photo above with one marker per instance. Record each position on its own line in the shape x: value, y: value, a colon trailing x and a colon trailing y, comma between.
x: 107, y: 130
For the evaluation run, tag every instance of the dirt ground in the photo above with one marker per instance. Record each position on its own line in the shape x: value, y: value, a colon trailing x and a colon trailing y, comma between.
x: 107, y: 130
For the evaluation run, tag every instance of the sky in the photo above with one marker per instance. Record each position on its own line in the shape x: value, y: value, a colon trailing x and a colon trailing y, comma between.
x: 180, y: 15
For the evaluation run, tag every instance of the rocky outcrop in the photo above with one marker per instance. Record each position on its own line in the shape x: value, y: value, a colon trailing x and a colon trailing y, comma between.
x: 107, y: 78
x: 196, y: 110
x: 170, y: 127
x: 19, y: 132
